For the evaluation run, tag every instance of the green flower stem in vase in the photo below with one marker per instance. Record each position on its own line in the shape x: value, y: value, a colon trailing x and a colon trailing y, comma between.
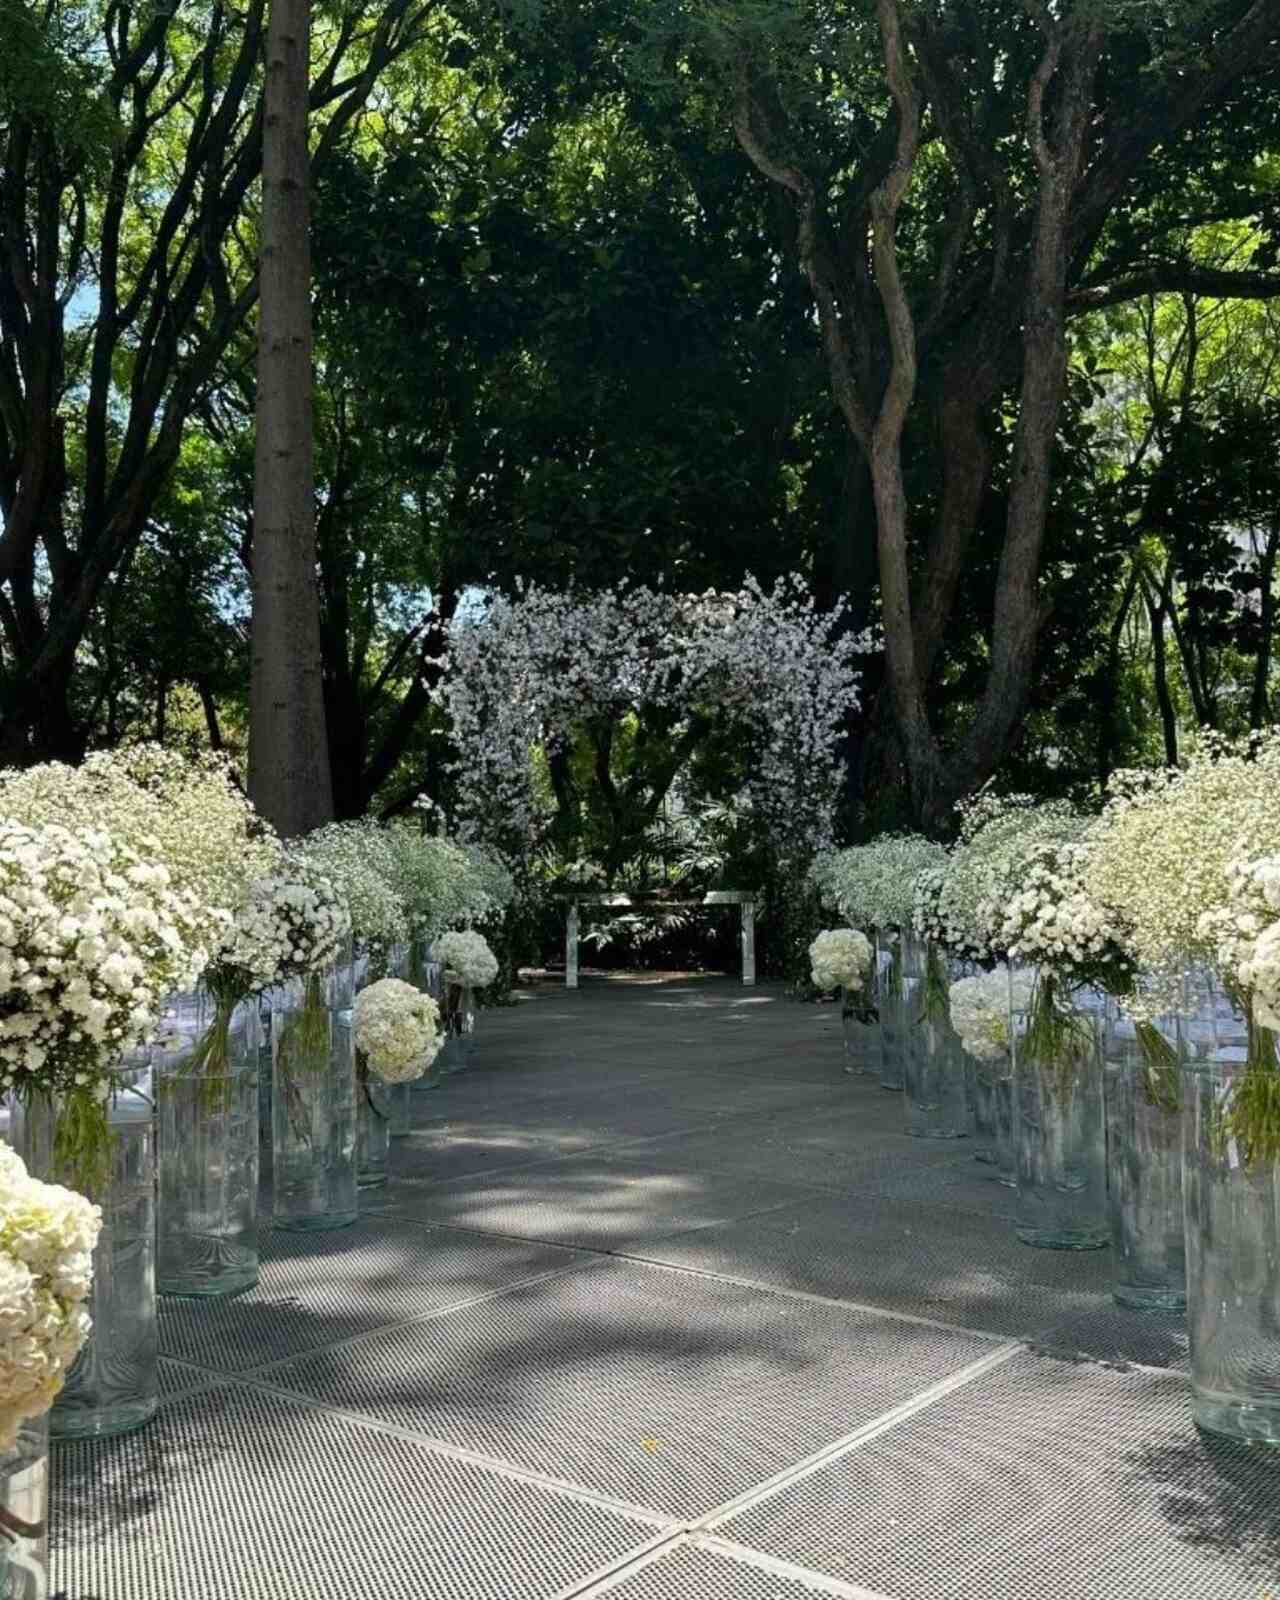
x: 933, y: 1063
x: 112, y: 1386
x: 459, y: 1019
x: 314, y: 1101
x: 893, y: 1021
x: 1144, y: 1156
x: 1231, y: 1196
x: 1059, y: 1126
x: 860, y: 1025
x: 206, y: 1077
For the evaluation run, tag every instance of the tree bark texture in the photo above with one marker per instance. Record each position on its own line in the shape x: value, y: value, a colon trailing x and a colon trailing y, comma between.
x: 289, y: 779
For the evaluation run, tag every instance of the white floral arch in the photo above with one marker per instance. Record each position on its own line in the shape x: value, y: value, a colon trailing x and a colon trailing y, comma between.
x: 533, y: 666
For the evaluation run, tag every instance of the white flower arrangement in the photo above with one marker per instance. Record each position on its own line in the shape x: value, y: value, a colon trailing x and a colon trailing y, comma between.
x: 360, y: 862
x: 1246, y: 935
x: 92, y: 939
x: 442, y: 883
x: 47, y: 1239
x: 840, y: 959
x: 292, y: 924
x: 981, y: 1006
x: 956, y: 903
x: 1042, y: 913
x: 1162, y: 857
x: 466, y: 958
x: 397, y: 1029
x: 188, y: 814
x: 872, y: 885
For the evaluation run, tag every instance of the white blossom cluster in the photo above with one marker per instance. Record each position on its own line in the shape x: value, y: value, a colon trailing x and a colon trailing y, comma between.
x: 1043, y: 913
x: 981, y: 1006
x: 186, y: 813
x: 873, y: 884
x: 47, y: 1239
x: 535, y: 666
x: 397, y: 1029
x: 1246, y: 933
x: 359, y: 860
x: 288, y: 925
x: 956, y: 903
x: 92, y: 939
x: 840, y: 959
x: 466, y: 958
x: 1161, y: 858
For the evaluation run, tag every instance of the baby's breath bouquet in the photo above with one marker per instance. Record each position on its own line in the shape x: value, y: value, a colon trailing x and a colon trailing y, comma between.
x: 872, y: 884
x: 360, y: 861
x: 1173, y: 861
x: 92, y: 938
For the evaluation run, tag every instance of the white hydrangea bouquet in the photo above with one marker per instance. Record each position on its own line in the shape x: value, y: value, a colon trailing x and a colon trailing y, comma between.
x: 980, y: 1010
x: 466, y: 958
x: 92, y: 938
x: 840, y: 958
x: 47, y: 1239
x: 397, y: 1029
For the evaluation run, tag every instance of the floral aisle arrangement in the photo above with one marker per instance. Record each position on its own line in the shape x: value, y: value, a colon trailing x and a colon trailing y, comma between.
x: 1175, y: 856
x: 359, y: 860
x: 294, y: 931
x: 92, y: 938
x: 872, y: 886
x: 47, y: 1239
x: 1039, y: 913
x: 842, y: 959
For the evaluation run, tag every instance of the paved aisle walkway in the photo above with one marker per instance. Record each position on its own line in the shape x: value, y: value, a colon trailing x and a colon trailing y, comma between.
x: 661, y: 1306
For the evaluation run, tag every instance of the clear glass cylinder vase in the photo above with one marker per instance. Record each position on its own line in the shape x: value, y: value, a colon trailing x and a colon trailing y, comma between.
x: 400, y: 1095
x: 860, y: 1026
x: 373, y: 1126
x: 934, y: 1081
x: 890, y: 998
x: 314, y: 1101
x: 205, y: 1067
x: 112, y: 1386
x: 24, y: 1513
x: 428, y: 977
x: 990, y: 1112
x: 1059, y: 1124
x: 459, y: 1021
x: 1231, y: 1201
x: 1144, y: 1164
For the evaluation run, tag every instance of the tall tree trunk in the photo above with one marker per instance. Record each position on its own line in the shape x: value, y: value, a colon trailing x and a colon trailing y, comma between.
x: 1260, y: 701
x: 289, y: 778
x: 1157, y: 610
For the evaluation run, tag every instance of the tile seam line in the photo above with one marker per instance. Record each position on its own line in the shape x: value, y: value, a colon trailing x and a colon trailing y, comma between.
x: 820, y: 1582
x: 835, y: 1303
x: 267, y: 1367
x: 607, y: 1578
x: 584, y: 1249
x: 851, y: 1442
x: 499, y: 1465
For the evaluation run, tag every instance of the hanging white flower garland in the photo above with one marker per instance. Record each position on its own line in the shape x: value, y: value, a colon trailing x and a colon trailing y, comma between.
x: 535, y: 666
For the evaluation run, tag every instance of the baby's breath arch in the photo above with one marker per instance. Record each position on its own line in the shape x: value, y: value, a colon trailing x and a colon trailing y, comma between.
x: 535, y: 665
